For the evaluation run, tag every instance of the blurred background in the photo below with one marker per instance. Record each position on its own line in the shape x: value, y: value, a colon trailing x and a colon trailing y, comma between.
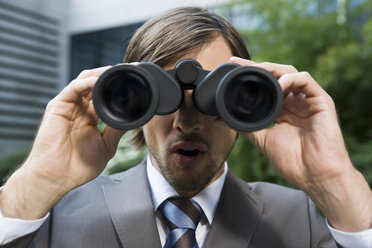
x: 44, y: 44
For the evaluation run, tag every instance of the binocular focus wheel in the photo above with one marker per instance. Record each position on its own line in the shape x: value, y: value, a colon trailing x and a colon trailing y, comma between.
x: 249, y: 98
x: 125, y: 97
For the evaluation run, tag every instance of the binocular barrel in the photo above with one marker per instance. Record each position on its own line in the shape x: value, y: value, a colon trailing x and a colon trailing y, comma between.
x: 246, y: 98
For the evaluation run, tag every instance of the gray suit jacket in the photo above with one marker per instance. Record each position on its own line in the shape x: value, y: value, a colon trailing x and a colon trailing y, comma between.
x: 117, y: 211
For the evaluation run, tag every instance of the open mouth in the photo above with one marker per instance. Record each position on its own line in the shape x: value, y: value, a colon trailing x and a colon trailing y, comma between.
x: 188, y: 154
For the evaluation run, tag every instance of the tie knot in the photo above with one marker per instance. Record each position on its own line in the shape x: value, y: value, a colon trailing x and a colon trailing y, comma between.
x: 181, y: 212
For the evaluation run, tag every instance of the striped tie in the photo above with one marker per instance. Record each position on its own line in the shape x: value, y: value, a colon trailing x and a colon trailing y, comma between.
x: 182, y: 217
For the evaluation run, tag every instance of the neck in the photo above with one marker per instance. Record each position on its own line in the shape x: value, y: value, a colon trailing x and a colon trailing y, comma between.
x: 190, y: 193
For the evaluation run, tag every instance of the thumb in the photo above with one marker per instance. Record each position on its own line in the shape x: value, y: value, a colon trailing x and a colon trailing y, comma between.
x: 111, y: 137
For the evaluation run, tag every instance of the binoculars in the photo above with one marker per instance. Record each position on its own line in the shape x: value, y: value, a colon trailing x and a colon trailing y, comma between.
x: 247, y: 98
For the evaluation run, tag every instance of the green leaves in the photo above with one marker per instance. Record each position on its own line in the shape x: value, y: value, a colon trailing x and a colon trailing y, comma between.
x: 307, y: 35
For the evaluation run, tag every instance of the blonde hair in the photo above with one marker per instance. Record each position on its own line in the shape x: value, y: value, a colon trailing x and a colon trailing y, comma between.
x: 166, y: 38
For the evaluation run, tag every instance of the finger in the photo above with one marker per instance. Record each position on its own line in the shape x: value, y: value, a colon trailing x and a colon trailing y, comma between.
x: 77, y: 89
x: 300, y: 82
x: 242, y: 62
x: 91, y: 111
x: 294, y: 119
x: 111, y: 137
x: 93, y: 72
x: 277, y: 70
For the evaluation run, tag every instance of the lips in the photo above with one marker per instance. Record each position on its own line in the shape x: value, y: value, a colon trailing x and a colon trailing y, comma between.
x: 188, y: 154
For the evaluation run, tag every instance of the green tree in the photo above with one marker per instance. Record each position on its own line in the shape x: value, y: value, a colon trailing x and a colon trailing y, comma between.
x: 330, y: 41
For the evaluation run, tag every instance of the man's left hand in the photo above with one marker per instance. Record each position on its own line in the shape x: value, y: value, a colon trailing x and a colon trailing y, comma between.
x: 306, y: 147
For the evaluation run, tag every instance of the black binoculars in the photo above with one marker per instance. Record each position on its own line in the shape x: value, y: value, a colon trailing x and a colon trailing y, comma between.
x: 247, y: 98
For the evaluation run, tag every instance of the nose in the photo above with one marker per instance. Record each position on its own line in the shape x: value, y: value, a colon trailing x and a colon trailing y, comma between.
x: 187, y: 118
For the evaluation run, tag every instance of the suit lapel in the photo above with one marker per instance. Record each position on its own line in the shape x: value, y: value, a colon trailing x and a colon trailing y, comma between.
x: 237, y: 216
x: 129, y: 203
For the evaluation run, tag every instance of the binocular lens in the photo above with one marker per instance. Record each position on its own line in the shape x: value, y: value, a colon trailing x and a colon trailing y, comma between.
x: 249, y: 98
x: 128, y: 96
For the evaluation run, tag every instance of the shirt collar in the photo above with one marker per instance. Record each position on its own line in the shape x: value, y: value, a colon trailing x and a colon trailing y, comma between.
x: 161, y: 190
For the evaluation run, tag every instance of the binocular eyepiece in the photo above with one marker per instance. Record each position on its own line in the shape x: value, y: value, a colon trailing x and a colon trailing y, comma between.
x: 247, y: 98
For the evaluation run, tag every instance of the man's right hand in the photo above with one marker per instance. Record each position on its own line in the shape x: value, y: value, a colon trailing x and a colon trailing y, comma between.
x: 68, y: 151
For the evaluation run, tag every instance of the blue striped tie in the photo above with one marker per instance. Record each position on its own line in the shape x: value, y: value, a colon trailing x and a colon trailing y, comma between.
x: 182, y: 217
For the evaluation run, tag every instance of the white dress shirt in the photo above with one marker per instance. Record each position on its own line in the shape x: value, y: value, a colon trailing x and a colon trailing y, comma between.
x: 13, y: 228
x: 207, y: 200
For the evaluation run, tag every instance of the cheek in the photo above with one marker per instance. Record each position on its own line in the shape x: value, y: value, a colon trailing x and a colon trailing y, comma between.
x: 220, y: 136
x: 156, y: 130
x: 225, y: 138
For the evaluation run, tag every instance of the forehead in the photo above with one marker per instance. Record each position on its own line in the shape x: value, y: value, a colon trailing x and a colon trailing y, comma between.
x: 211, y: 55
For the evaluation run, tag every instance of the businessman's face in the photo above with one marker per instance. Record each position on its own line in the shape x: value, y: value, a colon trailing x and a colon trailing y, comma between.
x: 187, y: 147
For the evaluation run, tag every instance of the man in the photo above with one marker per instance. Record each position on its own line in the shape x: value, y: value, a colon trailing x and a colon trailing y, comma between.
x: 57, y: 199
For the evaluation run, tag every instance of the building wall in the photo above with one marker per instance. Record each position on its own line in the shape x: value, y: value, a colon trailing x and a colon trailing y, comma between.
x: 100, y: 30
x: 88, y: 15
x: 33, y: 66
x: 99, y: 48
x: 46, y: 43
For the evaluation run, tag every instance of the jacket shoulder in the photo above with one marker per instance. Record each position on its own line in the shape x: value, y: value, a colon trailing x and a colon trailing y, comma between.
x: 291, y: 211
x: 277, y: 194
x: 92, y: 191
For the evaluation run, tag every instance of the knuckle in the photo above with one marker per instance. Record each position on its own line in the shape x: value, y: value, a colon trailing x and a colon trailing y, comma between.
x: 327, y: 101
x: 330, y: 100
x: 73, y: 82
x: 286, y: 77
x: 50, y: 104
x: 265, y: 64
x: 306, y: 75
x: 291, y: 68
x: 84, y: 73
